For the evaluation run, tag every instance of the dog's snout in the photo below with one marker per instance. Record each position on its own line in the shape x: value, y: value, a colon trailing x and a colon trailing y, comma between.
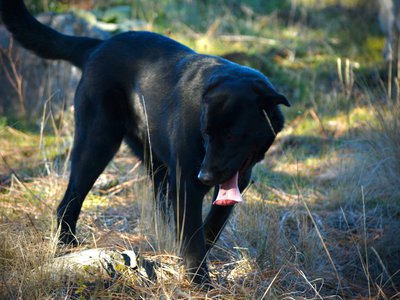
x: 206, y: 177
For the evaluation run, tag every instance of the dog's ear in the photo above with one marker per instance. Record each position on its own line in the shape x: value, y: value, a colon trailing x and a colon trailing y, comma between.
x: 217, y: 88
x: 210, y: 92
x: 280, y: 99
x: 269, y: 96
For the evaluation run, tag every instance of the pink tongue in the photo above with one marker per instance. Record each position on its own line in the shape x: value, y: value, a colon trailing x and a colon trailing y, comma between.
x: 229, y: 193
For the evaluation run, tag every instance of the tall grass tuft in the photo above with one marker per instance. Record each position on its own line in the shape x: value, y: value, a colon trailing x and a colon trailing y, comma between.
x: 376, y: 157
x: 383, y: 154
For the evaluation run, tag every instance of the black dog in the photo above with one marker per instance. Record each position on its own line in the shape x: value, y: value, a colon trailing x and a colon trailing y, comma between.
x: 196, y: 120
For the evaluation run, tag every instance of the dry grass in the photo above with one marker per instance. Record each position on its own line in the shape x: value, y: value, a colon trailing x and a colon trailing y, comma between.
x: 278, y: 245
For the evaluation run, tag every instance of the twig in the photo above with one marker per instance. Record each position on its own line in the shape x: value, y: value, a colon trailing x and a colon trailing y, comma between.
x: 247, y: 38
x: 33, y: 224
x: 228, y: 37
x: 270, y: 285
x: 318, y: 120
x: 119, y: 187
x: 14, y: 78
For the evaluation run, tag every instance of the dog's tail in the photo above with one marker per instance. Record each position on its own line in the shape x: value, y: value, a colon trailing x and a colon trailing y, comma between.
x: 41, y: 39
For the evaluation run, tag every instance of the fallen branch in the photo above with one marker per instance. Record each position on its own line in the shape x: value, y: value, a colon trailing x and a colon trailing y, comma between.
x: 102, y: 262
x: 247, y: 38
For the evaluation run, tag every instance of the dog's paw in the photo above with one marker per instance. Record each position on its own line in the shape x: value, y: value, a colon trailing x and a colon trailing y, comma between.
x: 199, y: 277
x: 67, y: 239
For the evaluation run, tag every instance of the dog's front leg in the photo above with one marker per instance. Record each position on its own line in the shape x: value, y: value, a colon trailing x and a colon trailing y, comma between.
x: 215, y: 222
x: 187, y: 204
x: 218, y: 215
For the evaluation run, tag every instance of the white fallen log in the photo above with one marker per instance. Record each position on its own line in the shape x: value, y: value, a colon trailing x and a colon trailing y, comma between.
x: 106, y: 263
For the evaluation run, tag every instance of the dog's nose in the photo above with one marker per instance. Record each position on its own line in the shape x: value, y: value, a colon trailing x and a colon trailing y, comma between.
x: 206, y: 177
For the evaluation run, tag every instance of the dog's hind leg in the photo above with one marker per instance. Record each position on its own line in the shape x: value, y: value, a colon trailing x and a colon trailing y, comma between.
x: 98, y: 135
x: 159, y: 174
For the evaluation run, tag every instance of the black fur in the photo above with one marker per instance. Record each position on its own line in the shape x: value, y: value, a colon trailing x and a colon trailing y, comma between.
x: 206, y: 117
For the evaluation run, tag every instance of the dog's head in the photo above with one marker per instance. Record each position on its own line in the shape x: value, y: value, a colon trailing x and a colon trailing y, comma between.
x: 240, y: 118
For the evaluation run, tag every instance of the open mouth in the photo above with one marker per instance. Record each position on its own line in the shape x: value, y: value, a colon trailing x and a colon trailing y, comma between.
x: 229, y: 193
